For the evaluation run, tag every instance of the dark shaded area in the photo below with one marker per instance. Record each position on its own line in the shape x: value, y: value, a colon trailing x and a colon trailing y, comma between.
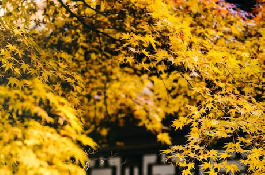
x: 246, y: 5
x: 136, y: 139
x: 139, y: 142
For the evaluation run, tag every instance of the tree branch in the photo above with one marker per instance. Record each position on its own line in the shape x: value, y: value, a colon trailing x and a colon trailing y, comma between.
x: 98, y: 12
x: 83, y: 22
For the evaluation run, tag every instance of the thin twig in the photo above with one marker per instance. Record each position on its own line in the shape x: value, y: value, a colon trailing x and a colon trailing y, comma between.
x: 83, y: 22
x: 98, y: 12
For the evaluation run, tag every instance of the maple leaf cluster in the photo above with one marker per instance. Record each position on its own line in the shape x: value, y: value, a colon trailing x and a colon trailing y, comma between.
x: 92, y: 62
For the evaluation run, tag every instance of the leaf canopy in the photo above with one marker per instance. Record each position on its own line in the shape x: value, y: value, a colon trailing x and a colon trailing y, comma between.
x: 200, y: 61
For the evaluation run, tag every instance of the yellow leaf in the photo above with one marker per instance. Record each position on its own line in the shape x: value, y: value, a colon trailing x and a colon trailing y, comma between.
x: 130, y: 60
x: 24, y: 67
x: 144, y: 66
x: 212, y: 172
x: 7, y: 66
x: 125, y: 36
x: 164, y: 138
x: 70, y: 80
x: 186, y: 172
x: 220, y: 42
x: 231, y: 167
x: 12, y: 81
x: 225, y: 155
x: 206, y: 165
x: 145, y: 53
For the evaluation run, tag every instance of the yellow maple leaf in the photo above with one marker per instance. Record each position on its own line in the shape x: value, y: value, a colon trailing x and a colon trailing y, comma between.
x: 231, y: 167
x: 186, y: 172
x: 206, y: 165
x: 164, y: 138
x: 12, y: 81
x: 212, y: 172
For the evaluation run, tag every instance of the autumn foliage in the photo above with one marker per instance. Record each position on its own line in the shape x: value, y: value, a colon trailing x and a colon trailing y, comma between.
x: 84, y: 63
